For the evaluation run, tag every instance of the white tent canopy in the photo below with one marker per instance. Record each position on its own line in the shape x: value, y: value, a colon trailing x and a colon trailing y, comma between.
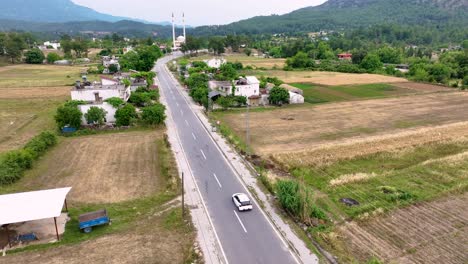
x: 30, y: 206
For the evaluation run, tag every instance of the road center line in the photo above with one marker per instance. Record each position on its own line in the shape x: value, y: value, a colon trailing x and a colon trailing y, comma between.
x: 240, y: 221
x: 186, y: 122
x: 181, y: 112
x: 203, y: 153
x: 220, y: 186
x: 194, y: 137
x: 177, y: 104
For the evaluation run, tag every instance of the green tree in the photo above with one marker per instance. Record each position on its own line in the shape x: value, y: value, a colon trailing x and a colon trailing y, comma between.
x: 278, y: 96
x: 154, y: 115
x: 389, y: 55
x: 324, y: 52
x: 440, y: 72
x: 300, y: 61
x: 129, y: 61
x: 113, y: 68
x: 14, y: 47
x: 95, y: 115
x: 224, y: 102
x: 125, y: 115
x: 53, y: 57
x: 191, y: 44
x: 34, y: 56
x: 371, y: 63
x: 68, y: 115
x: 227, y: 73
x: 248, y: 51
x: 216, y: 44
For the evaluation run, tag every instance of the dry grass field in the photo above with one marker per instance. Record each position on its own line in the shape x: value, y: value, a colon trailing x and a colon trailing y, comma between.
x: 28, y: 75
x: 105, y: 168
x: 404, y: 160
x: 256, y: 62
x: 295, y: 129
x: 29, y: 95
x: 326, y: 78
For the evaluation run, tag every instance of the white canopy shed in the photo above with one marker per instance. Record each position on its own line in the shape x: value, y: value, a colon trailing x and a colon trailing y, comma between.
x: 30, y: 206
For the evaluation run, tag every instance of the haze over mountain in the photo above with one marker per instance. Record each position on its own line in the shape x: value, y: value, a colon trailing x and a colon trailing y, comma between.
x: 53, y: 11
x: 349, y: 14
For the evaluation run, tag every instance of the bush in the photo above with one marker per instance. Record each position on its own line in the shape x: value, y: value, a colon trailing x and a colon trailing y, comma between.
x: 115, y: 101
x: 224, y: 102
x: 279, y: 96
x: 95, y: 115
x: 53, y: 57
x: 125, y: 115
x: 154, y: 115
x: 14, y: 163
x: 68, y: 115
x: 41, y: 143
x: 34, y: 56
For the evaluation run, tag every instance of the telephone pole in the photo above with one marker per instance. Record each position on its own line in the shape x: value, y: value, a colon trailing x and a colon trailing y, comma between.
x: 247, y: 130
x: 183, y: 204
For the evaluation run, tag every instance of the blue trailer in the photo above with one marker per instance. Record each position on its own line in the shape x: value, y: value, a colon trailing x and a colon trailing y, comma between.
x: 88, y: 220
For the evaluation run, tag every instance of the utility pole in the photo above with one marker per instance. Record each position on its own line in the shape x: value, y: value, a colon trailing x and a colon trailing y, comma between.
x: 247, y: 130
x: 183, y: 204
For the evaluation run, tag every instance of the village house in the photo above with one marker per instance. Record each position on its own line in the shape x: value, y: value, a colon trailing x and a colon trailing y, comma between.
x: 248, y: 87
x: 215, y: 62
x: 107, y: 61
x: 95, y: 94
x: 345, y: 56
x: 51, y: 45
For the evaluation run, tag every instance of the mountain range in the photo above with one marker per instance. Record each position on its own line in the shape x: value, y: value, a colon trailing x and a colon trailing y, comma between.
x: 54, y: 11
x: 63, y: 16
x: 351, y: 14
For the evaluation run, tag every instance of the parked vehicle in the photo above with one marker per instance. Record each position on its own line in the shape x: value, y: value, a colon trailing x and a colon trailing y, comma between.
x: 242, y: 202
x: 89, y: 220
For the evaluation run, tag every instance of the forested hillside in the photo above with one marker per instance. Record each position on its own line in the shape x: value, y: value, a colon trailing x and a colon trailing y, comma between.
x: 353, y: 14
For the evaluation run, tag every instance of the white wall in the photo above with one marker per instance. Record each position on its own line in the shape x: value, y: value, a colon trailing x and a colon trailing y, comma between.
x: 247, y: 90
x: 88, y: 94
x: 110, y: 116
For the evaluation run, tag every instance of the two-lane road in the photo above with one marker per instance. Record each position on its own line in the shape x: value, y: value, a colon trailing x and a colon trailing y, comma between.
x: 246, y: 237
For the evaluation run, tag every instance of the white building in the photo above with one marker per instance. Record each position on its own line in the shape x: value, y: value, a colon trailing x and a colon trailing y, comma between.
x: 54, y: 45
x: 248, y: 87
x: 215, y: 62
x: 108, y: 61
x: 96, y: 95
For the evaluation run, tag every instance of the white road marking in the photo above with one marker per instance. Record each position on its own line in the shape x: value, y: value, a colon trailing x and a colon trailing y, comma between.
x: 203, y: 153
x: 186, y: 122
x: 177, y: 104
x: 181, y: 112
x: 220, y: 186
x: 194, y: 137
x: 240, y: 221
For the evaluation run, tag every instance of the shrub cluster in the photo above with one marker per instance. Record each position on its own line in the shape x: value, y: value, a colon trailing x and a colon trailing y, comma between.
x: 14, y: 163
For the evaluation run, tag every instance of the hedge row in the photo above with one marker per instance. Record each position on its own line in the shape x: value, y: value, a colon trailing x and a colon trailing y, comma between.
x: 14, y: 163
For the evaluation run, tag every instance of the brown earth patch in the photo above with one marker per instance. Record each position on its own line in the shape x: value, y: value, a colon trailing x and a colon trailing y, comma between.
x: 423, y: 87
x: 431, y: 232
x: 103, y: 168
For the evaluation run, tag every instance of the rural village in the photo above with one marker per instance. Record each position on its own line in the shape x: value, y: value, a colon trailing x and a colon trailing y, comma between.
x: 341, y: 147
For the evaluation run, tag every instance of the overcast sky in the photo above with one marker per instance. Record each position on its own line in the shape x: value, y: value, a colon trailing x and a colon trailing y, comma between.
x: 197, y: 12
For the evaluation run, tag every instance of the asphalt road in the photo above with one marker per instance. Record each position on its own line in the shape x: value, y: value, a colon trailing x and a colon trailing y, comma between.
x: 246, y: 237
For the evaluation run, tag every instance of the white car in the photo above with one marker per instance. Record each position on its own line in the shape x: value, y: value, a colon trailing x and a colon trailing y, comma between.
x: 242, y: 201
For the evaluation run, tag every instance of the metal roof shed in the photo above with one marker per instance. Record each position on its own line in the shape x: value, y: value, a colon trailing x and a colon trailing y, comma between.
x: 30, y: 206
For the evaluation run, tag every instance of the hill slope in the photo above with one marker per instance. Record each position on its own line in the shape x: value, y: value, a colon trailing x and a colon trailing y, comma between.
x: 349, y: 14
x: 51, y: 11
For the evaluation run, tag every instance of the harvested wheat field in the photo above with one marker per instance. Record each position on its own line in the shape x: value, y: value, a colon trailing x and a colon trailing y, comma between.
x: 102, y: 168
x: 430, y: 232
x: 296, y: 129
x: 423, y: 87
x: 327, y: 78
x: 36, y: 92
